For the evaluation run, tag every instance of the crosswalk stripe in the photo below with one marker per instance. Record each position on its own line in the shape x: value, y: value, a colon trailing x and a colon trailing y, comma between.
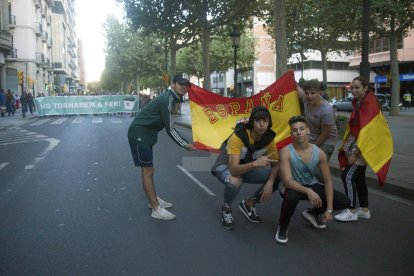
x: 40, y: 122
x: 97, y: 120
x: 3, y: 165
x: 77, y: 120
x: 59, y: 121
x: 116, y: 120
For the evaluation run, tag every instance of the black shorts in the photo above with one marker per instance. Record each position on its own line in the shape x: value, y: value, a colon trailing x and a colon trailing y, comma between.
x: 142, y: 155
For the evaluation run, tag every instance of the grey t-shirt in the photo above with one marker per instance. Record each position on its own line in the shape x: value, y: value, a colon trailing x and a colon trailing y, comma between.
x: 318, y: 116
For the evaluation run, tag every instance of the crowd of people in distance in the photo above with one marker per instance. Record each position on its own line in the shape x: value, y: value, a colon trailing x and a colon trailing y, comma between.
x: 11, y: 101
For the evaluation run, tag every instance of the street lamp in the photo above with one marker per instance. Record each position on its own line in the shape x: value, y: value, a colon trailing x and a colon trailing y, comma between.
x: 235, y: 42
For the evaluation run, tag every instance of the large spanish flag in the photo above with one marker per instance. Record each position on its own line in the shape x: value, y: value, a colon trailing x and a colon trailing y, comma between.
x: 214, y: 117
x: 374, y: 138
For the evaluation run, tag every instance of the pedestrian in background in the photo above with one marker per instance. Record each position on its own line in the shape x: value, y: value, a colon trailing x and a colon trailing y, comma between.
x: 353, y: 176
x: 320, y: 117
x: 143, y: 135
x: 10, y: 103
x: 30, y: 102
x: 407, y: 100
x: 249, y: 155
x: 3, y: 108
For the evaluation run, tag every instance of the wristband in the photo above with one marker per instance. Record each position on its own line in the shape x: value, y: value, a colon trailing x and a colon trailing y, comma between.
x: 329, y: 211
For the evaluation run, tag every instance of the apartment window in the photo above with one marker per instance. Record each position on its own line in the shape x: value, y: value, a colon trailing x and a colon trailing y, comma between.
x: 382, y: 44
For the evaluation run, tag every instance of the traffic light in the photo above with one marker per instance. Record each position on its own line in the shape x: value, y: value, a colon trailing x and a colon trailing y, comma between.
x: 20, y: 77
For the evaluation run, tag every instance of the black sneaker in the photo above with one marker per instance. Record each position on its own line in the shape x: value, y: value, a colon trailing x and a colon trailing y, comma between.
x: 314, y: 220
x: 249, y: 212
x: 282, y: 235
x: 227, y: 220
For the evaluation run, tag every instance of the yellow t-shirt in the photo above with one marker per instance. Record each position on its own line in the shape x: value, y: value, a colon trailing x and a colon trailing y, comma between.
x: 235, y: 146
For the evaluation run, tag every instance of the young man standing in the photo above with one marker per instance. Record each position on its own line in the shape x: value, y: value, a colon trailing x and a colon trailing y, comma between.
x: 298, y: 164
x: 143, y: 134
x: 249, y: 155
x: 320, y: 117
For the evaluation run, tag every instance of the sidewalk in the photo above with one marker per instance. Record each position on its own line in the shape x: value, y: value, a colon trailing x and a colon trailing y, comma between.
x: 16, y: 120
x: 400, y: 178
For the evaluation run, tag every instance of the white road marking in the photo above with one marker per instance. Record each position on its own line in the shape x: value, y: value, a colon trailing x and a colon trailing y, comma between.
x: 59, y: 121
x: 77, y: 120
x: 116, y: 120
x: 29, y: 167
x: 201, y: 185
x: 96, y: 120
x: 3, y: 165
x: 40, y: 122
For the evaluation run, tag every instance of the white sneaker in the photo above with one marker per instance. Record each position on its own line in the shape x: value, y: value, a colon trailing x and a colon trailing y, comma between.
x: 362, y: 214
x: 161, y: 213
x: 346, y: 215
x: 163, y: 204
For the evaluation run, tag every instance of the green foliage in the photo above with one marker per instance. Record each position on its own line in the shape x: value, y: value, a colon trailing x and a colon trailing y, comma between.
x: 130, y: 55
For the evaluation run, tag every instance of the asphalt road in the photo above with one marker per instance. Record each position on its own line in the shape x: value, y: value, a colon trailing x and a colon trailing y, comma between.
x: 71, y: 203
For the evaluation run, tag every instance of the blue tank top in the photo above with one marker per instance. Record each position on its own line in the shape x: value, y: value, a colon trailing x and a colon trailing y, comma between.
x: 302, y: 172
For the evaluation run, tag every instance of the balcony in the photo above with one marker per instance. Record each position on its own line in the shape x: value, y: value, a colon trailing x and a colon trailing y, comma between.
x: 49, y: 20
x: 38, y: 28
x: 45, y: 36
x: 43, y: 11
x: 37, y: 3
x: 49, y: 42
x: 12, y: 54
x: 40, y: 59
x: 5, y: 40
x: 12, y: 21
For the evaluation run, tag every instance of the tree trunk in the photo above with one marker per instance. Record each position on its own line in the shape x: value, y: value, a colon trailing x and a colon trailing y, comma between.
x: 364, y: 65
x: 280, y: 35
x: 324, y: 70
x: 205, y: 41
x: 395, y: 73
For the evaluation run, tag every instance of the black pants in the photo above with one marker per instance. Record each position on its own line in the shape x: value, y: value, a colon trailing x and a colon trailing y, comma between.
x: 353, y: 178
x: 291, y: 199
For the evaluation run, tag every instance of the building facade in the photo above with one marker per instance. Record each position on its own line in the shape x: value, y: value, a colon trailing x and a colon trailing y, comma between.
x: 379, y: 59
x: 43, y: 47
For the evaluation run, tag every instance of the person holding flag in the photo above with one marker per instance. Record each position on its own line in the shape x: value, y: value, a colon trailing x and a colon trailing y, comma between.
x: 249, y: 155
x: 367, y: 141
x: 142, y: 136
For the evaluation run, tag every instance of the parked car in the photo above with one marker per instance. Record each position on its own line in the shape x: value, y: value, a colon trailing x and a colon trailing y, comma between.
x: 344, y: 104
x: 381, y: 98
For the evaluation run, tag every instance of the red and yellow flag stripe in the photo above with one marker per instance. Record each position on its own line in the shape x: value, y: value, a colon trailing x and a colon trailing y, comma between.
x: 214, y: 116
x: 374, y: 138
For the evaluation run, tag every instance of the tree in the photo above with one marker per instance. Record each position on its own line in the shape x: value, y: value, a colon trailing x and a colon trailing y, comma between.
x: 189, y: 59
x: 393, y: 19
x: 130, y: 57
x: 279, y: 14
x: 189, y: 21
x: 315, y: 25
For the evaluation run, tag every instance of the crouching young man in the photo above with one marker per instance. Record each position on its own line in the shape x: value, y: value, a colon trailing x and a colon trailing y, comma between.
x: 249, y: 155
x: 298, y: 164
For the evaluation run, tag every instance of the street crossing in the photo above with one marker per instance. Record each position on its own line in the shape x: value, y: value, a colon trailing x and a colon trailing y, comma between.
x: 81, y: 120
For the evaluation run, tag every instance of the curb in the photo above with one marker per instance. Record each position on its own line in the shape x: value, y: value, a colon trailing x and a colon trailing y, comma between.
x: 372, y: 182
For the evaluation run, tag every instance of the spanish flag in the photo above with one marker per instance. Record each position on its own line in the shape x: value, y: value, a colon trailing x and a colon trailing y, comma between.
x: 374, y: 139
x: 214, y: 117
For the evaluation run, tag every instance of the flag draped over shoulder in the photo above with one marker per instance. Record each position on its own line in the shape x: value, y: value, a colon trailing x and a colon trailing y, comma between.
x: 214, y: 117
x: 374, y: 139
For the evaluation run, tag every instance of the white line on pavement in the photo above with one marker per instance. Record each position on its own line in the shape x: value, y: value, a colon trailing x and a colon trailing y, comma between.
x: 96, y: 120
x: 40, y: 122
x: 2, y: 165
x: 59, y: 121
x: 77, y: 120
x: 201, y: 185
